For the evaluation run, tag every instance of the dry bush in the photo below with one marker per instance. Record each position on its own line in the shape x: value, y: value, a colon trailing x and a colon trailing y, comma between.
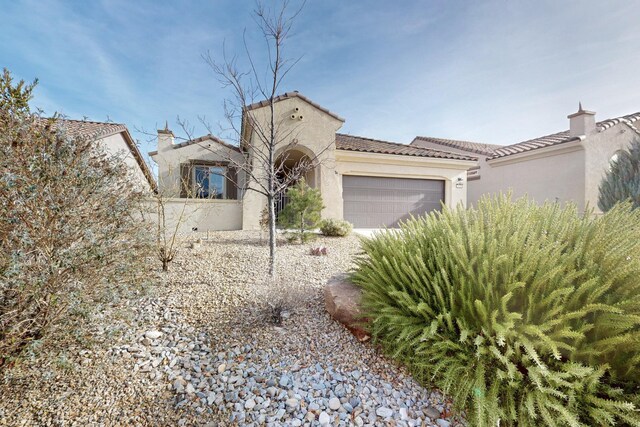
x: 71, y: 231
x: 270, y: 305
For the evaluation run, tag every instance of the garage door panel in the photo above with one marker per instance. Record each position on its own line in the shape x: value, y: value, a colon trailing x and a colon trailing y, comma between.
x: 371, y: 202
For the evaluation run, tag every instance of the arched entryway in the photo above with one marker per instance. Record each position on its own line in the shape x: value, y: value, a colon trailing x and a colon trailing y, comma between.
x: 291, y: 166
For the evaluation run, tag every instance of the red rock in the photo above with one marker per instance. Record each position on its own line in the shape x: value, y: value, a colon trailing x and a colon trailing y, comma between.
x: 342, y: 300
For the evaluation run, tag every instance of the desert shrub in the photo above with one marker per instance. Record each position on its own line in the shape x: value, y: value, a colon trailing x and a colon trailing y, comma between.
x: 302, y: 212
x: 526, y: 315
x: 70, y: 229
x: 622, y: 181
x: 335, y: 227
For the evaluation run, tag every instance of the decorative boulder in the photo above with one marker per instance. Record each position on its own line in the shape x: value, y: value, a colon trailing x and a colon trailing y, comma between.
x: 342, y: 300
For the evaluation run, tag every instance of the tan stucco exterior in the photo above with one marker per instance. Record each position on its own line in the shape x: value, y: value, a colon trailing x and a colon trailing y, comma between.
x: 313, y: 135
x: 204, y: 215
x: 569, y: 172
x: 306, y: 128
x: 452, y: 172
x: 116, y: 145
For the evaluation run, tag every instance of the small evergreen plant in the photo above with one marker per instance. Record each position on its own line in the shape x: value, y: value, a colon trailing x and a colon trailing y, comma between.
x: 526, y: 315
x: 335, y: 227
x: 302, y: 212
x: 622, y: 181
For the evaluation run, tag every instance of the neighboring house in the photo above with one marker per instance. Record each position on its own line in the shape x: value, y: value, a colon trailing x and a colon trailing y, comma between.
x: 566, y: 166
x: 369, y: 182
x: 117, y: 141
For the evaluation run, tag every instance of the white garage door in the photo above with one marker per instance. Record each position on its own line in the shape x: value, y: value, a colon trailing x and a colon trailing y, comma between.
x: 372, y: 202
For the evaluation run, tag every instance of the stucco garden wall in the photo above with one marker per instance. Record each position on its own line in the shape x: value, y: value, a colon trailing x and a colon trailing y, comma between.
x: 205, y: 214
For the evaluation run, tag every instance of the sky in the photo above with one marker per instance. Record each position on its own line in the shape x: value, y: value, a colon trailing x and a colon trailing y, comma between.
x: 494, y: 71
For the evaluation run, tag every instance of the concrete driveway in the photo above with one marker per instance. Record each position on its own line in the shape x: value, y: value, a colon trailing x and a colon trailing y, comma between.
x: 368, y: 232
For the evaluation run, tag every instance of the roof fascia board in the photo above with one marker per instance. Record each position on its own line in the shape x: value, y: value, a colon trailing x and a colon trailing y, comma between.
x: 401, y: 159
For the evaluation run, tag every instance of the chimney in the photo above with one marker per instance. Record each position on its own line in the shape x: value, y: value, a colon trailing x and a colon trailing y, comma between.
x: 582, y: 123
x: 165, y: 138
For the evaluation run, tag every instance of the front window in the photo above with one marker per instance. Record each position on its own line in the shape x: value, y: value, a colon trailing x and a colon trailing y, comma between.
x: 209, y: 182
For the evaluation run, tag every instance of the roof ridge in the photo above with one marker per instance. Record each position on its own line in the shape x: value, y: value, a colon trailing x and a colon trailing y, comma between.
x: 293, y: 94
x: 390, y: 148
x: 96, y: 122
x: 459, y: 144
x: 204, y: 138
x: 373, y: 139
x: 548, y: 140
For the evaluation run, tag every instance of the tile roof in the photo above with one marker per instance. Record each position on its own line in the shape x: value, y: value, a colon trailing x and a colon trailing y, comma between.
x: 98, y: 130
x: 294, y: 94
x: 205, y: 138
x: 368, y: 145
x: 559, y: 138
x: 473, y: 147
x: 87, y: 129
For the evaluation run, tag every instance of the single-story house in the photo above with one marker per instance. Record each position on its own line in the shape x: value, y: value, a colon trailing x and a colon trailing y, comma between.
x: 370, y: 183
x: 566, y: 166
x: 116, y: 140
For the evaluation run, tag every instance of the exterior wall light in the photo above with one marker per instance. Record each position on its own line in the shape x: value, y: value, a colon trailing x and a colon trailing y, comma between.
x: 459, y: 183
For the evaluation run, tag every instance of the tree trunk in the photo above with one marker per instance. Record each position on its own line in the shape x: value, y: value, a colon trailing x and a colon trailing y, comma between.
x: 301, y: 228
x: 165, y: 265
x: 272, y: 236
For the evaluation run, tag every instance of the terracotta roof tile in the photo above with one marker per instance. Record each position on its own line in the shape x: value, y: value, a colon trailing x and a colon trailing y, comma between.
x: 558, y: 138
x: 294, y: 94
x: 368, y: 145
x: 98, y: 130
x: 88, y: 129
x: 472, y: 147
x: 205, y: 138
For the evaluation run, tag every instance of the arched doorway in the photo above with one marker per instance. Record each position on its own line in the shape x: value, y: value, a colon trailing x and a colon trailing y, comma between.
x: 291, y: 166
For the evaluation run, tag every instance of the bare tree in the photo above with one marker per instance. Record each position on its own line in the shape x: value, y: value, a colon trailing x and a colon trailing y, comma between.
x: 266, y: 173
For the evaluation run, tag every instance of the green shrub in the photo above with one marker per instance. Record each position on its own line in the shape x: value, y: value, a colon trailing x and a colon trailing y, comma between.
x: 335, y: 227
x: 622, y: 182
x: 302, y: 212
x: 526, y: 315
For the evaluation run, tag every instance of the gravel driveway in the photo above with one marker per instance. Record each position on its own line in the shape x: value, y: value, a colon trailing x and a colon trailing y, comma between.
x: 200, y: 349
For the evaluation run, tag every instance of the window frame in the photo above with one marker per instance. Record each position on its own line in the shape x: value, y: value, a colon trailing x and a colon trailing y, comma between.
x: 194, y: 179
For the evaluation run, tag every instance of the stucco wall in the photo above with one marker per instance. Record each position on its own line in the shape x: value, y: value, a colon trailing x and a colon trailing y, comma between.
x: 116, y: 145
x: 315, y: 135
x: 599, y: 148
x: 553, y: 174
x: 474, y: 189
x: 206, y: 215
x: 169, y: 159
x: 368, y: 164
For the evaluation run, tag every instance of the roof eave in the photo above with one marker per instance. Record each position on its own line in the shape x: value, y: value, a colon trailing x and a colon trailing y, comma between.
x: 573, y: 144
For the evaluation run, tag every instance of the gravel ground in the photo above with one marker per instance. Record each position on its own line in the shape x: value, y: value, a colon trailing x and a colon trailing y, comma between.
x: 202, y: 349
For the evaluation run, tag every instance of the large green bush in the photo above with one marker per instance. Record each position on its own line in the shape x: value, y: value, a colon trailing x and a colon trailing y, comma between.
x: 526, y: 315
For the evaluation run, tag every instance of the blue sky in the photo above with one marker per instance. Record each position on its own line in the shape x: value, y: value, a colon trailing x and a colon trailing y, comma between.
x: 489, y: 71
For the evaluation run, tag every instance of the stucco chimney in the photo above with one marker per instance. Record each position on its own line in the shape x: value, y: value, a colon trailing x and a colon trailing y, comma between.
x: 582, y: 122
x: 165, y: 138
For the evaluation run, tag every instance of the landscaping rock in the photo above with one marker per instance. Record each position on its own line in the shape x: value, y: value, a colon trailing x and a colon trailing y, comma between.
x: 342, y: 300
x: 214, y: 364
